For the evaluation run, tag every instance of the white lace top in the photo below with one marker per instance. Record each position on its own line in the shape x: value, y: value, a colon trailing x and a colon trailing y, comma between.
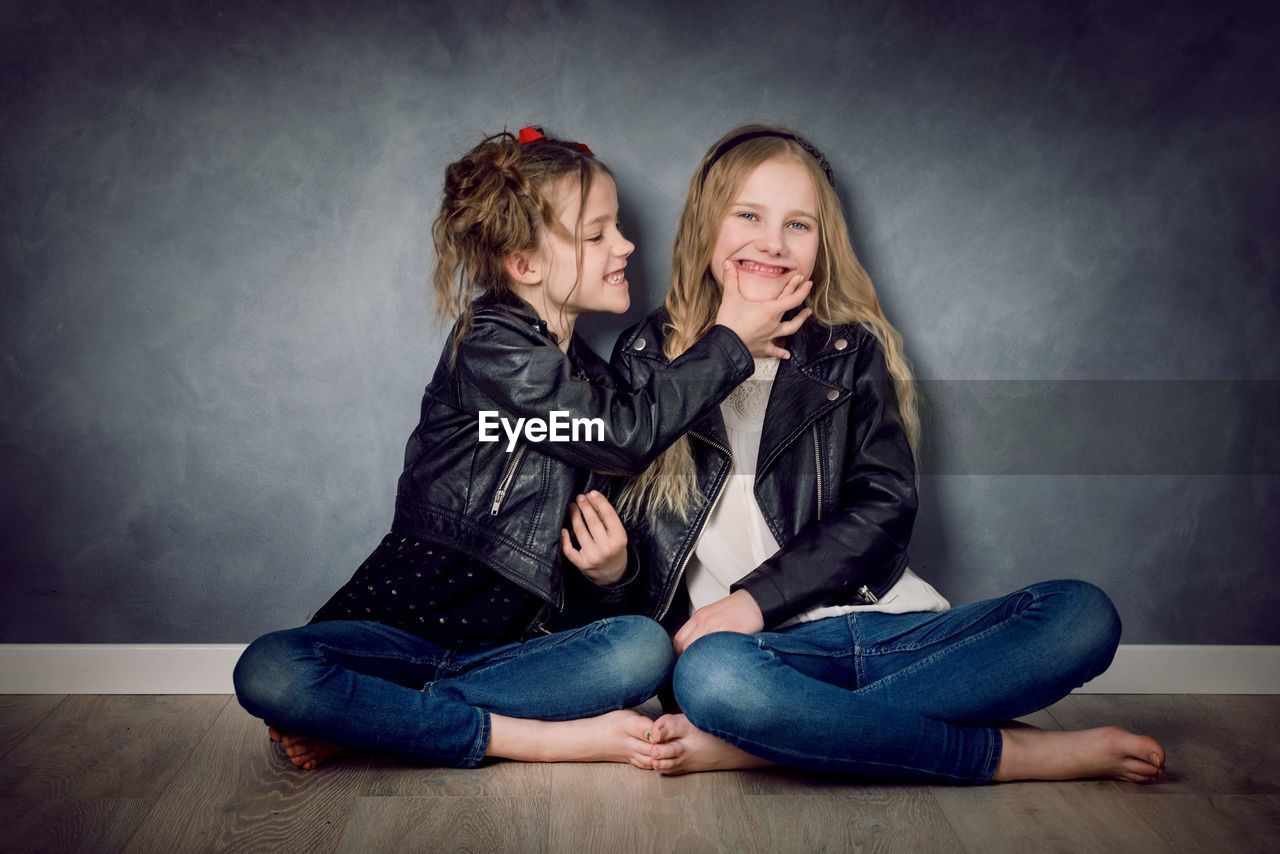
x: 737, y: 539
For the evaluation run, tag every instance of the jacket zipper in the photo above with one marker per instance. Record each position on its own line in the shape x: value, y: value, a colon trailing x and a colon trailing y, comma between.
x: 504, y: 485
x: 675, y: 585
x: 817, y: 467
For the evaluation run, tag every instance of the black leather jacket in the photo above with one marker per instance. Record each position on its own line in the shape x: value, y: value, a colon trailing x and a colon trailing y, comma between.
x: 835, y: 478
x: 506, y: 509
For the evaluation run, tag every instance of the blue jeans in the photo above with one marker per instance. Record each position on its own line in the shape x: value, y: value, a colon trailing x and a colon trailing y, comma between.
x: 370, y: 685
x: 912, y: 696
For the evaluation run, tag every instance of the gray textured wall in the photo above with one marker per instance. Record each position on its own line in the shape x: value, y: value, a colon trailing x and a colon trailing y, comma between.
x: 215, y: 329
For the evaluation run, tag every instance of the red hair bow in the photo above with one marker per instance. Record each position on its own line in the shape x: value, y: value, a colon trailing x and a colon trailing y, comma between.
x: 535, y: 134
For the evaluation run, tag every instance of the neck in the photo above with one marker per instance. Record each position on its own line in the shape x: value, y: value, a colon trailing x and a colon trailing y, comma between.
x: 559, y: 321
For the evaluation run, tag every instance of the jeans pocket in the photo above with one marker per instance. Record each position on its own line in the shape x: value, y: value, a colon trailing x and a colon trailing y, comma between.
x: 879, y: 633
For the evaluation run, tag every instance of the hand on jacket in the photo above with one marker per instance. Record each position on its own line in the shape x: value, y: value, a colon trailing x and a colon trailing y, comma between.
x: 737, y: 612
x: 601, y: 554
x: 758, y: 323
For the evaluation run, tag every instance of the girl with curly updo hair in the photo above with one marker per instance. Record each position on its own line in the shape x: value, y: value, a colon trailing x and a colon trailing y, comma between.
x: 474, y: 629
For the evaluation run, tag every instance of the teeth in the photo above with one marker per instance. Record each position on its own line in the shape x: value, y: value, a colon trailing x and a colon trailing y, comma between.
x: 615, y: 278
x: 762, y: 268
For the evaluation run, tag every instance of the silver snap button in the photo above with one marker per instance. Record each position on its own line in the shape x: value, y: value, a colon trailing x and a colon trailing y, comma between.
x: 841, y: 343
x: 833, y: 394
x: 639, y: 345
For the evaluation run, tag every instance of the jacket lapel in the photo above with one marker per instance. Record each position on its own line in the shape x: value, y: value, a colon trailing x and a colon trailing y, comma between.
x: 801, y: 391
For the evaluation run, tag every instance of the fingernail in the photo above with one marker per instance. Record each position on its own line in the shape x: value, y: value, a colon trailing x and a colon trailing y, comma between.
x: 1155, y: 759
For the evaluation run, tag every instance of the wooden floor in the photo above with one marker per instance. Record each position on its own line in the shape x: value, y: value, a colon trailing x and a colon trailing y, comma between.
x: 196, y: 773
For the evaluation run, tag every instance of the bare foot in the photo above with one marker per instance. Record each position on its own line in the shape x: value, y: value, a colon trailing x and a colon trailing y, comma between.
x: 612, y: 737
x: 1107, y: 751
x: 681, y: 748
x: 305, y: 752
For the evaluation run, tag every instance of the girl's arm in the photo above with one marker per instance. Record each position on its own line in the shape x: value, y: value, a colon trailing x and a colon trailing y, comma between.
x: 867, y: 535
x: 500, y: 369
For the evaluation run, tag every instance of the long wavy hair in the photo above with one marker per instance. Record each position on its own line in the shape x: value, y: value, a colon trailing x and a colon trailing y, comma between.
x: 842, y: 293
x: 497, y: 201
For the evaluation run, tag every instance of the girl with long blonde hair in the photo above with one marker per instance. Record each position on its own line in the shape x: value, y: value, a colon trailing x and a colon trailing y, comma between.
x: 775, y: 533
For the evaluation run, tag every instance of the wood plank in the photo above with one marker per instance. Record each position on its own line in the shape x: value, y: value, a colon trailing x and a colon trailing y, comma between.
x: 1193, y: 823
x: 107, y: 746
x: 65, y: 824
x: 435, y: 824
x: 19, y: 714
x: 614, y: 807
x: 880, y: 818
x: 391, y: 776
x: 1214, y: 744
x: 238, y: 790
x: 1077, y: 816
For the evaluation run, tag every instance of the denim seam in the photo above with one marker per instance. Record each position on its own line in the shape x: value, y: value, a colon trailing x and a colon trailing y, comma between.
x: 989, y: 764
x: 943, y: 653
x: 481, y: 746
x: 858, y: 673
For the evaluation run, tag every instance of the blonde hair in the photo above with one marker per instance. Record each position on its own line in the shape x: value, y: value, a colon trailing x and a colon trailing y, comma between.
x: 842, y: 294
x: 497, y: 202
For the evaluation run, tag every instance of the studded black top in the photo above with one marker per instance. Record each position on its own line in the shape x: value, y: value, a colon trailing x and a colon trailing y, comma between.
x: 435, y: 592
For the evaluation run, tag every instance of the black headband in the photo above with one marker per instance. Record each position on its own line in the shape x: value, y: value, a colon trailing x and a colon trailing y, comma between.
x: 723, y: 148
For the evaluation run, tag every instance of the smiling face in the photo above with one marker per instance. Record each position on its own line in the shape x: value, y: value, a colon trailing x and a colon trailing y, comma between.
x: 602, y: 285
x: 770, y: 231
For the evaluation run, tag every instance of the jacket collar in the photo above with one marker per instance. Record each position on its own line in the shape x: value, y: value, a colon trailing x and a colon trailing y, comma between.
x: 802, y: 390
x: 504, y: 299
x: 808, y: 386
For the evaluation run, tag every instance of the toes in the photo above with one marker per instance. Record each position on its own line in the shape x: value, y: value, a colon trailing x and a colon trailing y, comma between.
x: 666, y: 727
x: 1138, y: 771
x: 301, y: 761
x: 637, y: 726
x: 1156, y: 756
x: 668, y: 767
x: 298, y: 748
x: 668, y: 750
x: 1138, y: 766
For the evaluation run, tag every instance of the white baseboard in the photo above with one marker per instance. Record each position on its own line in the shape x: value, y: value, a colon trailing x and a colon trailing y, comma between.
x: 206, y: 669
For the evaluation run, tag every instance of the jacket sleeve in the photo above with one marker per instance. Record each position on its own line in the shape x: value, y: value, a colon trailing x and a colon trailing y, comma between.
x: 866, y: 537
x: 500, y: 370
x: 623, y: 364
